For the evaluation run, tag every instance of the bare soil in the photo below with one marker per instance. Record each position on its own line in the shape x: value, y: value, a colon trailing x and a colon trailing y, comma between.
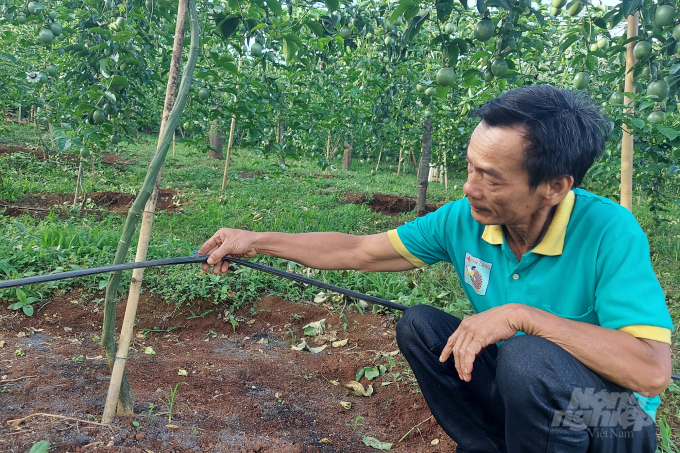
x: 246, y: 390
x: 6, y: 149
x: 386, y: 204
x: 115, y: 159
x: 39, y: 205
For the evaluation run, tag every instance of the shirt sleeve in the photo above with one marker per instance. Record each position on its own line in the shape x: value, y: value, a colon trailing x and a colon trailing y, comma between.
x: 628, y: 294
x: 423, y: 241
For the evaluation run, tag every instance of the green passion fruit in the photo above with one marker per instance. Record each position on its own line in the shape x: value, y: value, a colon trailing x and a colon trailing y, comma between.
x: 559, y: 3
x: 203, y: 94
x: 484, y: 30
x: 581, y: 81
x: 488, y: 75
x: 99, y: 116
x: 55, y: 28
x: 430, y: 92
x: 642, y: 49
x: 445, y: 77
x: 449, y: 28
x: 345, y: 32
x: 658, y: 88
x: 499, y: 67
x: 616, y: 98
x: 46, y: 36
x: 256, y: 49
x: 664, y: 16
x: 655, y: 117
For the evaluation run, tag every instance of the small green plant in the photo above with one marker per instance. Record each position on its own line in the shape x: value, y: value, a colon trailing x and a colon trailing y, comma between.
x: 169, y: 401
x: 357, y: 423
x: 40, y: 447
x: 25, y: 302
x: 293, y: 338
x: 78, y: 358
x: 233, y: 322
x: 19, y: 352
x: 149, y: 413
x: 667, y: 444
x: 137, y: 425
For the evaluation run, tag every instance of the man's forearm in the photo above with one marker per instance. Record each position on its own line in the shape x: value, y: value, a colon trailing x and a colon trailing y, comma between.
x: 333, y: 251
x: 643, y: 366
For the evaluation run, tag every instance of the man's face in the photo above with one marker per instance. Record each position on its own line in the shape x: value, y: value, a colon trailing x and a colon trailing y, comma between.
x: 497, y: 187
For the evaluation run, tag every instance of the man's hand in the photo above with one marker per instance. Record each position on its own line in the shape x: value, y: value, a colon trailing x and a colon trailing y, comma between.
x: 227, y: 242
x: 476, y: 333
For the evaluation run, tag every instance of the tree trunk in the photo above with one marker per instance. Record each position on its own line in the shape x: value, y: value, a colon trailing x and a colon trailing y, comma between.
x: 149, y: 192
x: 215, y: 140
x: 424, y: 166
x: 347, y: 157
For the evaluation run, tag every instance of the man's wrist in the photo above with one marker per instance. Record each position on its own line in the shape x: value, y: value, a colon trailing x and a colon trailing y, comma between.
x: 522, y: 318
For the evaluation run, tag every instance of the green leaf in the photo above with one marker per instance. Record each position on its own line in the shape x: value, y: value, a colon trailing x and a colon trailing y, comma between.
x: 399, y: 11
x: 332, y: 5
x: 371, y: 373
x: 120, y: 81
x: 40, y: 447
x: 359, y: 375
x: 539, y: 17
x: 28, y: 310
x: 503, y: 4
x: 275, y: 6
x: 669, y: 132
x: 375, y: 443
x: 480, y: 6
x: 628, y: 7
x: 21, y: 295
x: 295, y: 39
x: 636, y: 122
x: 601, y: 23
x: 226, y: 24
x: 315, y: 27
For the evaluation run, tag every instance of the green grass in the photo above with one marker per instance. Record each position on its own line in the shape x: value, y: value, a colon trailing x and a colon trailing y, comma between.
x: 293, y: 200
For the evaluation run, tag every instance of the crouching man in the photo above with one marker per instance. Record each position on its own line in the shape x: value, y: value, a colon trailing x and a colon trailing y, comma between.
x: 569, y: 348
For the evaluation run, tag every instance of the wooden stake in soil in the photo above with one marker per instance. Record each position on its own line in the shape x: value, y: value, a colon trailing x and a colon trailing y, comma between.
x: 231, y: 135
x: 378, y: 163
x: 627, y: 140
x: 424, y: 167
x: 328, y: 153
x: 149, y: 193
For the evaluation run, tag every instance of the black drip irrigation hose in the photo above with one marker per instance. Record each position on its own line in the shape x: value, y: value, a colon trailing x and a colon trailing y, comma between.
x: 202, y: 259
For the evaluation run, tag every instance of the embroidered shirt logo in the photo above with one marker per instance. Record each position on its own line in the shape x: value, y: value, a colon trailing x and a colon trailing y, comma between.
x: 477, y: 273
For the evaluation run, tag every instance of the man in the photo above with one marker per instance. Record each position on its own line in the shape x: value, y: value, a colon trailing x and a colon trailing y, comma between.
x: 570, y: 321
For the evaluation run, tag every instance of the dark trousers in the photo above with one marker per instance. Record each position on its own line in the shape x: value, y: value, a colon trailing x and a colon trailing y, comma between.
x: 526, y: 395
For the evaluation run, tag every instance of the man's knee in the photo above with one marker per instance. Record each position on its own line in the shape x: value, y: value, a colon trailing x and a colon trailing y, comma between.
x: 525, y: 363
x: 424, y: 323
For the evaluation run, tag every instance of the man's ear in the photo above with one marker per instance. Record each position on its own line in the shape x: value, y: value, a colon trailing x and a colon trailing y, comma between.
x: 558, y: 189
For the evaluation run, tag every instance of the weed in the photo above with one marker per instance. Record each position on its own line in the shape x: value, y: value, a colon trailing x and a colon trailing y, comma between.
x: 19, y: 352
x: 169, y: 400
x: 357, y: 423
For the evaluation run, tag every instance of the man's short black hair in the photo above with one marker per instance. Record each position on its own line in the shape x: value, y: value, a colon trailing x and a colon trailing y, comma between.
x: 566, y: 131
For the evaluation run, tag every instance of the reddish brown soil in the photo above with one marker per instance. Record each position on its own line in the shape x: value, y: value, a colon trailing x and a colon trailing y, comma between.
x: 386, y: 204
x: 5, y: 149
x: 39, y: 205
x: 110, y: 159
x: 246, y: 391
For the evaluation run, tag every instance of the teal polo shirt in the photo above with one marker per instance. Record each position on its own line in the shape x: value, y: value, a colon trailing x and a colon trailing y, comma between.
x: 592, y: 265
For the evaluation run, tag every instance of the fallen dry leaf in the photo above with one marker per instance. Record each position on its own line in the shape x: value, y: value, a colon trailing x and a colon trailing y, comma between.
x: 346, y: 404
x: 434, y: 442
x: 326, y: 440
x: 339, y: 343
x: 358, y: 388
x: 172, y: 426
x: 2, y: 344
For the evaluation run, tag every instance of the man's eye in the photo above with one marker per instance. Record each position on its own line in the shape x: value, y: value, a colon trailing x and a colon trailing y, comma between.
x: 490, y: 183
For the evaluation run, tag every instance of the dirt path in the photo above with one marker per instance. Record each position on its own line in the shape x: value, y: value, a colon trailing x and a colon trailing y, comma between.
x: 245, y: 391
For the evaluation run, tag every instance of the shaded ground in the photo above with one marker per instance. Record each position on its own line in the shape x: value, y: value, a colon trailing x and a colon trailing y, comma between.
x: 246, y: 390
x: 386, y: 204
x: 110, y: 159
x: 6, y: 149
x: 39, y: 205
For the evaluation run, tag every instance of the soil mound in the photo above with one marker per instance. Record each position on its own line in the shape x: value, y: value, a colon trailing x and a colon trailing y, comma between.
x: 386, y: 204
x: 39, y: 205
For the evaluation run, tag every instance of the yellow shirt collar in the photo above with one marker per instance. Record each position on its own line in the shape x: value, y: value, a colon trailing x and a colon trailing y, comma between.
x: 553, y: 242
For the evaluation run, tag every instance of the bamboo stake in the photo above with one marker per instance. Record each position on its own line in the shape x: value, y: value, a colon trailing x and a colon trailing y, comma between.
x: 401, y: 150
x: 173, y: 144
x: 118, y: 381
x: 328, y: 153
x: 78, y: 182
x: 379, y: 156
x: 231, y: 135
x: 627, y: 140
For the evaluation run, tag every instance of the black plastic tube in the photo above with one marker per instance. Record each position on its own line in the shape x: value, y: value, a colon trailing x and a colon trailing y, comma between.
x: 202, y: 259
x: 194, y: 260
